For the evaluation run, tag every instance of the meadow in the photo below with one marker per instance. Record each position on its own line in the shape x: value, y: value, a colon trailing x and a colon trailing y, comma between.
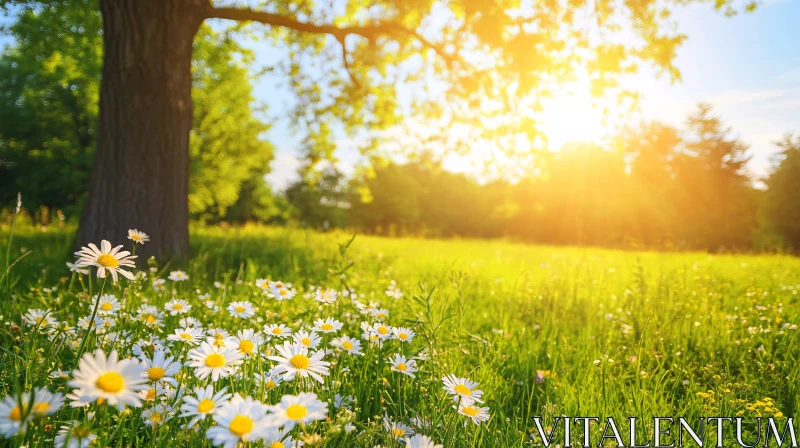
x: 543, y: 331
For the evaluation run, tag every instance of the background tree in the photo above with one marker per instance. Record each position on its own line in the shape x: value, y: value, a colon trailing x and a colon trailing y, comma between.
x: 783, y: 194
x: 493, y: 59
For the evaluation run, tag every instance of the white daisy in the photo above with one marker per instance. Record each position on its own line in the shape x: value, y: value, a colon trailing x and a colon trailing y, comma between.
x: 46, y: 402
x: 243, y: 309
x: 281, y: 291
x: 74, y: 435
x: 348, y: 344
x: 296, y: 409
x: 190, y: 322
x: 14, y: 416
x: 218, y: 362
x: 241, y: 419
x: 161, y: 369
x: 158, y: 284
x: 396, y: 429
x: 328, y: 325
x: 420, y: 441
x: 269, y: 380
x: 157, y: 414
x: 106, y: 260
x: 403, y: 334
x: 178, y: 276
x: 138, y: 237
x: 277, y: 330
x: 106, y: 304
x: 262, y: 284
x: 77, y: 269
x: 40, y: 318
x: 308, y: 339
x: 326, y: 295
x: 177, y: 306
x: 474, y: 413
x: 116, y: 381
x: 393, y: 291
x: 462, y: 390
x: 204, y: 403
x: 294, y: 360
x: 379, y: 313
x: 405, y: 366
x: 149, y: 315
x: 191, y: 336
x: 248, y: 341
x: 379, y: 329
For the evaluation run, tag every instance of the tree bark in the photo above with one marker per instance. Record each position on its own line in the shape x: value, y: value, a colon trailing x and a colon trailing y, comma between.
x: 140, y: 176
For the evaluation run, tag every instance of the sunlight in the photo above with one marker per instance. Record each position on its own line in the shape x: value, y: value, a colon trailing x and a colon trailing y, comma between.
x: 572, y: 114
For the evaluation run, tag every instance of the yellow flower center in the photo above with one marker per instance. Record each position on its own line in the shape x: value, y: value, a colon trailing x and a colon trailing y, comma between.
x: 136, y: 237
x: 241, y: 425
x: 15, y: 414
x: 277, y: 330
x: 239, y: 309
x: 205, y: 406
x: 462, y: 390
x: 150, y: 319
x: 401, y: 367
x: 403, y: 336
x: 219, y: 342
x: 277, y: 445
x: 296, y: 412
x: 383, y: 330
x: 270, y: 385
x: 186, y: 336
x: 246, y: 346
x: 300, y: 361
x: 382, y: 315
x: 39, y: 320
x: 347, y: 345
x: 177, y: 306
x: 215, y: 360
x: 284, y: 292
x: 106, y: 306
x: 80, y: 433
x: 326, y: 327
x: 306, y: 341
x: 156, y: 417
x: 399, y: 432
x: 470, y: 411
x: 110, y: 382
x: 151, y: 395
x: 107, y: 261
x: 155, y: 373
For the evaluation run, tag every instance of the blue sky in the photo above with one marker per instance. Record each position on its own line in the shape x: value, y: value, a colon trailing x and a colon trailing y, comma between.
x: 747, y: 66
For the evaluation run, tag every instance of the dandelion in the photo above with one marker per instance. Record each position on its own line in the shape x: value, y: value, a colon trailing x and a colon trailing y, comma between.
x: 295, y: 360
x: 106, y: 304
x: 138, y: 237
x: 348, y: 344
x: 191, y: 336
x: 74, y: 435
x: 106, y: 260
x: 474, y: 413
x: 462, y: 390
x: 178, y: 276
x: 420, y: 441
x: 161, y: 369
x: 115, y: 381
x: 405, y: 366
x: 297, y: 409
x: 239, y: 420
x: 242, y: 309
x: 403, y: 334
x: 277, y: 330
x: 177, y: 306
x: 204, y: 403
x: 218, y: 362
x: 328, y: 325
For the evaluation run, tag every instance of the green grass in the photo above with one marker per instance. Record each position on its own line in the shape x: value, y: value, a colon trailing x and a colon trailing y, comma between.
x: 621, y: 333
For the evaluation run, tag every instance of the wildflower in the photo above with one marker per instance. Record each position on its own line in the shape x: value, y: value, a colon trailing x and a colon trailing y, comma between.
x: 326, y: 295
x: 242, y: 309
x: 396, y: 429
x: 157, y: 415
x: 106, y: 260
x: 403, y: 334
x: 178, y: 276
x: 204, y: 403
x: 277, y: 330
x: 405, y: 366
x: 462, y: 390
x: 474, y: 413
x: 420, y: 441
x: 138, y: 237
x: 328, y: 325
x: 73, y: 435
x: 262, y: 284
x: 281, y: 291
x: 348, y: 344
x: 268, y: 381
x: 295, y: 409
x: 106, y: 304
x: 11, y: 416
x: 241, y: 419
x: 115, y: 381
x: 77, y: 269
x: 158, y: 284
x: 161, y: 369
x: 190, y: 336
x: 308, y: 339
x: 247, y: 341
x: 46, y: 402
x: 177, y: 306
x: 295, y: 360
x: 393, y: 291
x: 219, y: 362
x: 38, y: 317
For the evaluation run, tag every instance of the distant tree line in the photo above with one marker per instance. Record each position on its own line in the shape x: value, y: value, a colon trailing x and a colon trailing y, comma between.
x: 654, y: 186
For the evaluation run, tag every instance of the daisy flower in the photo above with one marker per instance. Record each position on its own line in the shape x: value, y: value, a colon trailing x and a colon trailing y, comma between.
x: 116, y: 381
x: 138, y: 237
x: 191, y: 336
x: 190, y: 322
x: 328, y: 325
x: 80, y: 398
x: 277, y: 438
x: 106, y: 304
x: 107, y: 260
x: 262, y: 284
x: 218, y: 362
x: 308, y: 339
x: 46, y: 402
x: 348, y: 344
x: 462, y: 390
x: 294, y: 360
x: 247, y: 341
x: 161, y: 369
x: 11, y: 416
x: 77, y: 269
x: 158, y: 284
x: 474, y: 413
x: 241, y: 419
x: 403, y: 334
x: 243, y: 309
x: 393, y: 291
x: 405, y: 366
x: 157, y: 415
x: 269, y: 380
x: 39, y: 317
x: 326, y: 295
x: 379, y: 313
x: 277, y: 330
x: 178, y: 276
x: 74, y: 435
x: 420, y: 441
x: 149, y: 315
x: 379, y: 329
x: 281, y: 291
x: 396, y: 429
x: 177, y: 306
x: 204, y: 403
x: 295, y: 409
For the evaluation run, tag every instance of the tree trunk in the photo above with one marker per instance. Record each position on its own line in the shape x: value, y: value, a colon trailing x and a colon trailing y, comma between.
x: 140, y: 176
